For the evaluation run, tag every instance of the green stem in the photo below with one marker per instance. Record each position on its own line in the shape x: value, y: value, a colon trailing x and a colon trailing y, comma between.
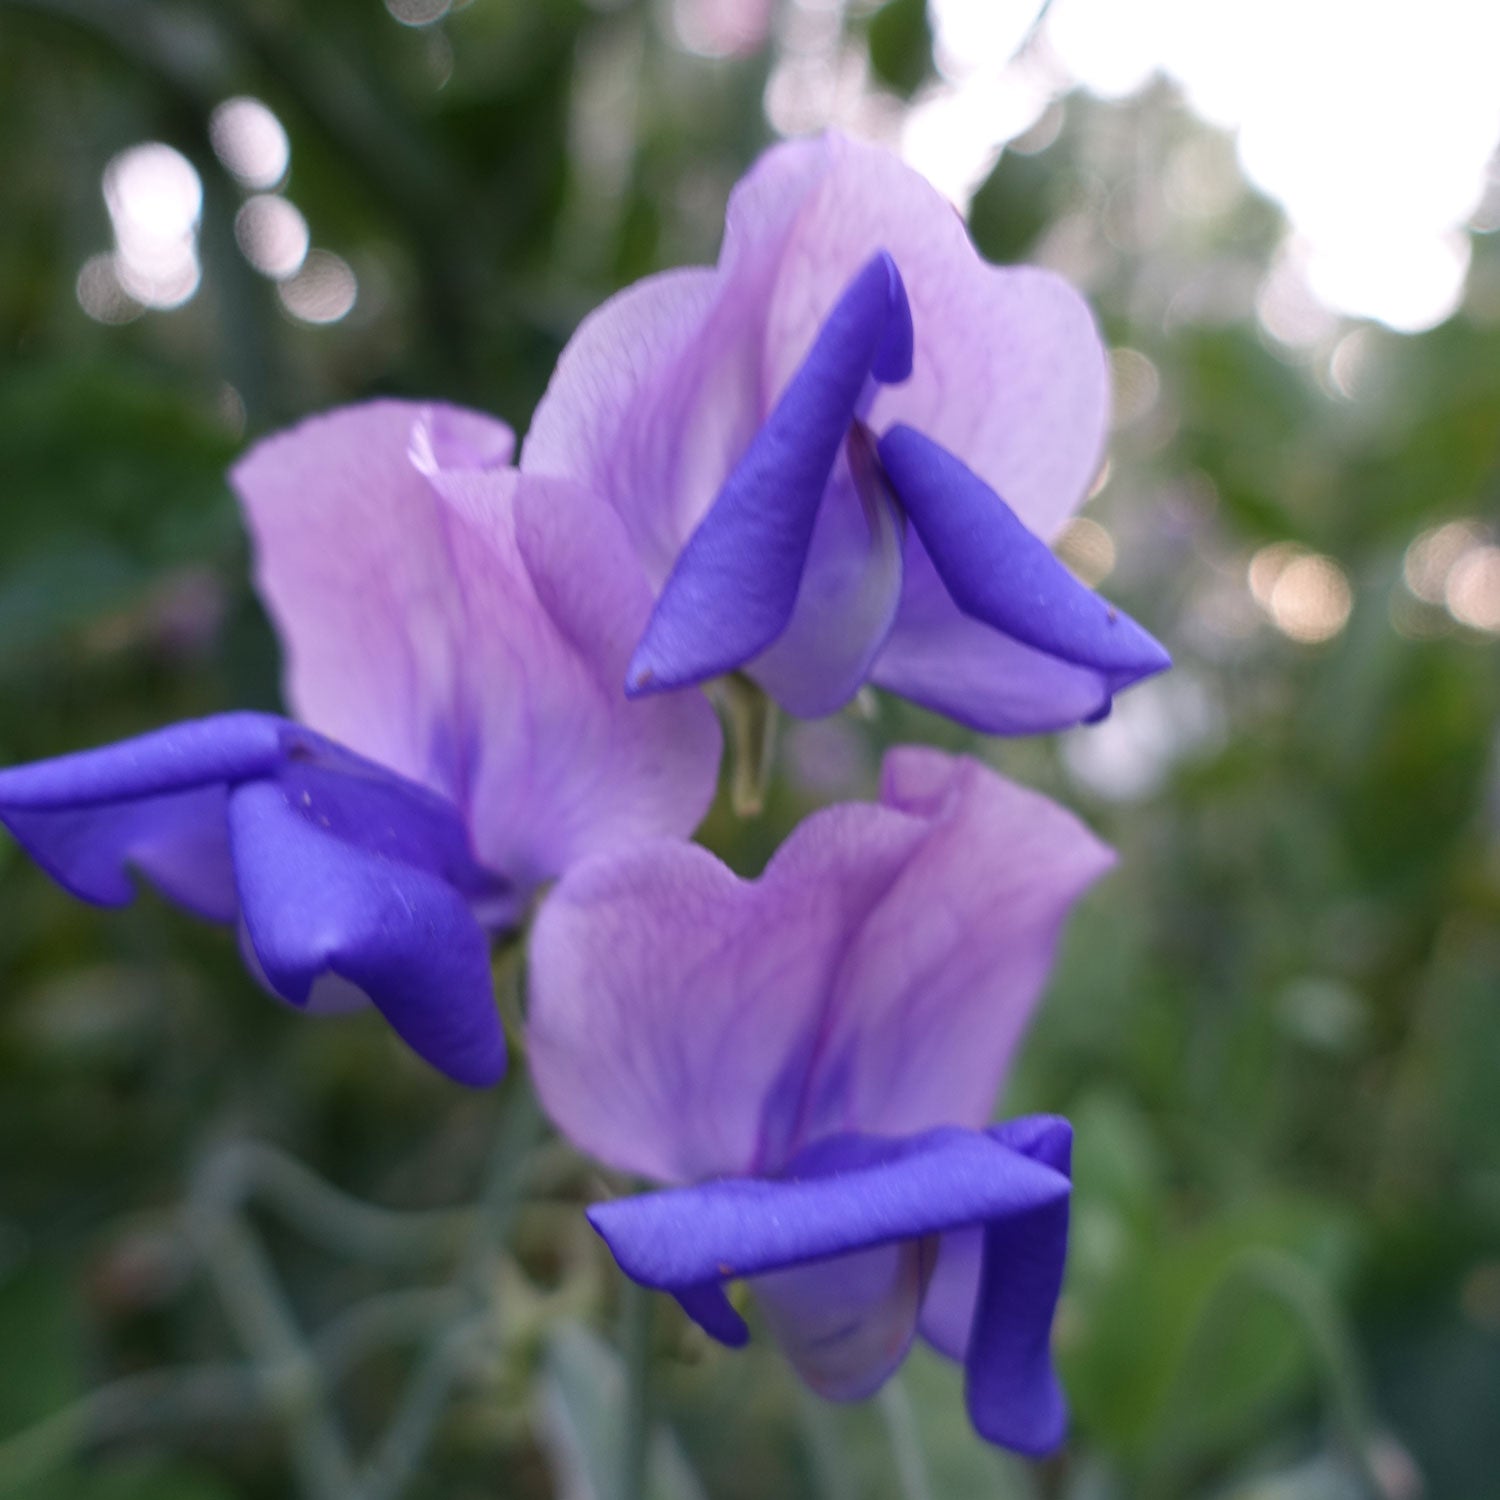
x: 833, y: 1474
x: 508, y: 969
x: 752, y: 720
x: 906, y: 1440
x: 635, y: 1413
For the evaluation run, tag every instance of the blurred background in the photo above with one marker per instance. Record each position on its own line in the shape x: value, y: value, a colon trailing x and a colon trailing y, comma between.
x: 243, y: 1256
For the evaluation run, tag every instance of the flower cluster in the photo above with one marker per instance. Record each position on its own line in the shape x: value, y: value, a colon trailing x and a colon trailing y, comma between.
x: 832, y: 459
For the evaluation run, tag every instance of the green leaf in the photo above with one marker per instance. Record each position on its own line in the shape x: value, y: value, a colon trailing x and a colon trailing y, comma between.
x: 1185, y: 1351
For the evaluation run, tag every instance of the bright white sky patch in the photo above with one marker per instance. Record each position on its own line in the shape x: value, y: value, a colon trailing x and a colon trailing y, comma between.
x: 1371, y: 125
x: 952, y: 134
x: 967, y: 34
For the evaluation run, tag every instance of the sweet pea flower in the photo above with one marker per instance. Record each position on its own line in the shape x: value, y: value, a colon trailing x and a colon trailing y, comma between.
x: 809, y: 1061
x: 454, y: 635
x: 768, y: 427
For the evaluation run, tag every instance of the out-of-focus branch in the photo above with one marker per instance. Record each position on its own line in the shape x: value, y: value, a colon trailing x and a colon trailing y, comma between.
x: 327, y: 1216
x: 293, y: 1384
x: 188, y: 1397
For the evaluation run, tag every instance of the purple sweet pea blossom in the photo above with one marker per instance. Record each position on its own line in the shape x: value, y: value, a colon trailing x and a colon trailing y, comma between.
x: 768, y: 427
x: 809, y: 1059
x: 455, y: 634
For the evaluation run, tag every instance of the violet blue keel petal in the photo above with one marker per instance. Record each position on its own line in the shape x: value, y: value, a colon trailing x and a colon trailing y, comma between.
x: 333, y: 865
x: 843, y: 1194
x: 316, y: 904
x: 941, y: 658
x: 662, y: 400
x: 713, y: 1312
x: 153, y: 804
x: 842, y: 1247
x: 989, y: 1306
x: 849, y: 593
x: 735, y: 584
x: 999, y: 573
x: 1011, y: 1387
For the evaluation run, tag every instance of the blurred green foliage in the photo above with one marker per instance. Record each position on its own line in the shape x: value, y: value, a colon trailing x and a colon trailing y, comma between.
x: 1275, y: 1028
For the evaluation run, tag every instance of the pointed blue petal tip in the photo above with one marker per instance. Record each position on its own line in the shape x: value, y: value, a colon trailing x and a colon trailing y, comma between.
x: 893, y: 357
x: 734, y: 585
x: 1000, y: 573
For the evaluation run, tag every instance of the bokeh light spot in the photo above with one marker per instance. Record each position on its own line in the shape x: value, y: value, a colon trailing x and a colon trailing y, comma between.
x: 1149, y: 730
x: 1311, y: 599
x: 1136, y: 385
x: 100, y: 294
x: 418, y: 12
x: 1351, y: 364
x: 1431, y: 557
x: 1415, y: 620
x: 250, y: 141
x: 1267, y: 566
x: 1088, y: 549
x: 152, y: 193
x: 1287, y: 307
x: 154, y: 199
x: 721, y: 28
x: 272, y: 234
x: 1472, y: 593
x: 323, y: 291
